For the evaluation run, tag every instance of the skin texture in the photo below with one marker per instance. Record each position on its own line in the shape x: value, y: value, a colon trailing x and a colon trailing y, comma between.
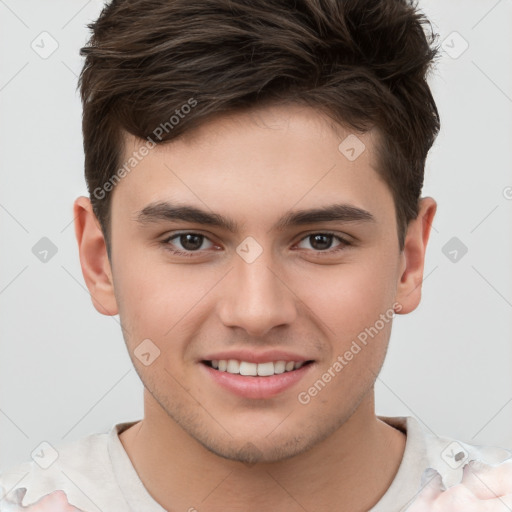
x: 198, y: 444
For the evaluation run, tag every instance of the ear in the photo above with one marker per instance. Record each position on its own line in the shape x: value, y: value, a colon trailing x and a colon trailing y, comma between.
x: 94, y: 258
x: 413, y: 257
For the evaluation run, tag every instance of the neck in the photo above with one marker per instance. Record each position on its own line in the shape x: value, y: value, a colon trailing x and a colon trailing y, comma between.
x: 354, y: 466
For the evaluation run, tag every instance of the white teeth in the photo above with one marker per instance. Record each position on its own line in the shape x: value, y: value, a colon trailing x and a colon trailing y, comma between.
x: 233, y: 366
x: 265, y: 369
x: 255, y: 369
x: 248, y: 368
x: 279, y: 367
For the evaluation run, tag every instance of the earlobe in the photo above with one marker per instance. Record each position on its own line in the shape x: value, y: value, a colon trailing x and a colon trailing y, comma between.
x: 93, y: 257
x: 413, y: 256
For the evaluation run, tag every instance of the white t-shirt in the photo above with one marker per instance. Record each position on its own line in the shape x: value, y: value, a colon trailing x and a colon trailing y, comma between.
x: 98, y: 476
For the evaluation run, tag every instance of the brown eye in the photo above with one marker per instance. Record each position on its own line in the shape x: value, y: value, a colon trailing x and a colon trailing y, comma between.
x: 183, y: 243
x: 191, y: 241
x: 323, y: 242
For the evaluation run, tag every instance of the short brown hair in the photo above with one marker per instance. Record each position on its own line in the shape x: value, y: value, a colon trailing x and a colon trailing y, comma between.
x: 362, y: 62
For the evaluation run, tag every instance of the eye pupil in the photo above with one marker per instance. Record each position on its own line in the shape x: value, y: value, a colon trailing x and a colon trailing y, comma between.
x: 320, y: 241
x: 191, y: 241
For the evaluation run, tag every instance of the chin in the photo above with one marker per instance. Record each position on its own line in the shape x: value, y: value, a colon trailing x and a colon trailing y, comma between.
x: 251, y: 453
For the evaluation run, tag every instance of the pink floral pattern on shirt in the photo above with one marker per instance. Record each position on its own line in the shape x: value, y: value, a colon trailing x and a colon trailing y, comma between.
x: 56, y: 501
x: 483, y: 488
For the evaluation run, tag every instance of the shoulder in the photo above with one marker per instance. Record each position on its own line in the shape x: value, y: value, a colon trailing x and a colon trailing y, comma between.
x: 449, y: 456
x: 427, y: 453
x: 79, y: 468
x: 445, y: 454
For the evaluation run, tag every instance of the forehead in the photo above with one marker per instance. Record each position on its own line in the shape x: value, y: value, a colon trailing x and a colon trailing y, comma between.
x: 261, y: 161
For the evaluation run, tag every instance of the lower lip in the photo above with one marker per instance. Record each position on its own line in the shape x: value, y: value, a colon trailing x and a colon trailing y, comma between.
x: 257, y: 387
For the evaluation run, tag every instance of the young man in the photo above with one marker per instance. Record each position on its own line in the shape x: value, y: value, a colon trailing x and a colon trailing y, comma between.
x: 255, y: 170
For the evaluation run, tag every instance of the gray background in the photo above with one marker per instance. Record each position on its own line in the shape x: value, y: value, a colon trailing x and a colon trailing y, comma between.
x: 64, y: 369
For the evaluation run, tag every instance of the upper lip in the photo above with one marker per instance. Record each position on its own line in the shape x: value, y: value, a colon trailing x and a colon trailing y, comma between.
x: 252, y: 356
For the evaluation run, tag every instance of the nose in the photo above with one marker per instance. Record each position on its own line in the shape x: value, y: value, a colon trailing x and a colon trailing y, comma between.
x: 256, y: 297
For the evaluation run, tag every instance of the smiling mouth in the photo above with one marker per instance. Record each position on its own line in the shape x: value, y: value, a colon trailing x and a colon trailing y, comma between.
x: 248, y: 369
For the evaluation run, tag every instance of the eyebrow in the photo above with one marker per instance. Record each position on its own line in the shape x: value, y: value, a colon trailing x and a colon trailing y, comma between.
x: 165, y: 211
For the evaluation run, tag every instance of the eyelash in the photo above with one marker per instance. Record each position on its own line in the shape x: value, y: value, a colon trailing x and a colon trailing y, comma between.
x: 178, y: 252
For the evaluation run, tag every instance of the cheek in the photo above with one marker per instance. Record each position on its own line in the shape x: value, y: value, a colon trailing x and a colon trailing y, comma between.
x: 147, y: 295
x: 349, y: 297
x: 158, y: 300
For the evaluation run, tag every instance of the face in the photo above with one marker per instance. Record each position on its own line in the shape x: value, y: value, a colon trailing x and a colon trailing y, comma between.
x: 255, y: 239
